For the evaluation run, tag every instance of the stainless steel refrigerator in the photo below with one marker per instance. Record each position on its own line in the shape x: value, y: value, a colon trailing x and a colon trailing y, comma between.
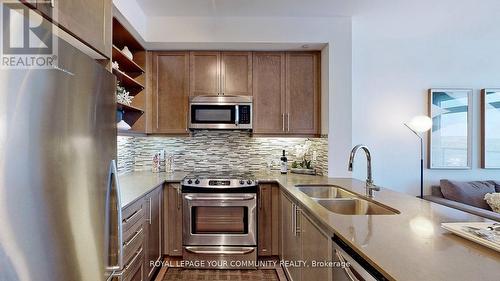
x: 59, y: 203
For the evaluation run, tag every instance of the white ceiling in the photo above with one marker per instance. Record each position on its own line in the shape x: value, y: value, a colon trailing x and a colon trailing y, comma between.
x: 250, y: 8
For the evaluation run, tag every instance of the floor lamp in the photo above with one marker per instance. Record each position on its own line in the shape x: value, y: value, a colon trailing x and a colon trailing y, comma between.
x: 419, y: 125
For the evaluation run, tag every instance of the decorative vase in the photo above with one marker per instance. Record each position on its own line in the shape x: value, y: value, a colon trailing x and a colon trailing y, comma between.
x: 127, y: 53
x: 122, y: 125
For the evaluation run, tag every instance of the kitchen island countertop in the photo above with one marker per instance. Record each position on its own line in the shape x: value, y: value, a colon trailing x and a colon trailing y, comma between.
x: 407, y: 246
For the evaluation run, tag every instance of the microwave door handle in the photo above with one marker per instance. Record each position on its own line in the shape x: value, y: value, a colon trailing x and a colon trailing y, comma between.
x: 237, y: 113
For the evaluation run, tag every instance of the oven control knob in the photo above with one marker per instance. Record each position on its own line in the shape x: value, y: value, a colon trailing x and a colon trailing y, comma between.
x: 197, y: 181
x: 190, y: 181
x: 242, y: 182
x: 249, y: 181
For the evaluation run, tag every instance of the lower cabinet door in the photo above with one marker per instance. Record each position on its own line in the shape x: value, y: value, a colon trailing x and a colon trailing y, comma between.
x: 291, y: 246
x: 153, y: 228
x: 173, y: 219
x: 265, y: 220
x: 316, y: 247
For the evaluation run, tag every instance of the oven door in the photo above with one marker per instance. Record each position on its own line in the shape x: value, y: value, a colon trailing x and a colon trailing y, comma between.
x: 221, y: 219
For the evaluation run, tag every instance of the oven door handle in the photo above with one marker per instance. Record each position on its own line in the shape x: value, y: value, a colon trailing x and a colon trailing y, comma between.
x: 220, y: 250
x: 220, y: 198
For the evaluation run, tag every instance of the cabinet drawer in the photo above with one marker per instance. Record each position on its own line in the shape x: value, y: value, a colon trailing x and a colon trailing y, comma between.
x: 133, y: 240
x: 133, y: 265
x: 132, y: 214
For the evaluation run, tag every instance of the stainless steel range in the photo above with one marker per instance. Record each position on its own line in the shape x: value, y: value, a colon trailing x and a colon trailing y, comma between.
x: 220, y: 219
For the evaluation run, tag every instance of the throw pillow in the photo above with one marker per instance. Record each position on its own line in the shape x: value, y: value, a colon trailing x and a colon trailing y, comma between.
x: 493, y: 199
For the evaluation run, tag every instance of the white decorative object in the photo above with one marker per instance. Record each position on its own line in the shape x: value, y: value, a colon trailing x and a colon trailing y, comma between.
x: 127, y: 53
x: 115, y: 65
x: 123, y: 96
x: 493, y: 199
x: 122, y: 125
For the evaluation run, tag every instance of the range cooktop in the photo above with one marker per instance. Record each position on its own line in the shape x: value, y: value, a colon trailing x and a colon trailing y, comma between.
x: 221, y: 180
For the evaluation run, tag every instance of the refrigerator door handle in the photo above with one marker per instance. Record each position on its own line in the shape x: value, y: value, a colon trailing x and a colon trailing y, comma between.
x: 114, y: 186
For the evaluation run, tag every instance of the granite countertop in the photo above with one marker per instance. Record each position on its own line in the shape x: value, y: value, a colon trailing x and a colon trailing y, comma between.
x: 407, y: 246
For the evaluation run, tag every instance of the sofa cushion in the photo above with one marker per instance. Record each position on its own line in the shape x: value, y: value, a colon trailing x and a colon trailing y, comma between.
x: 470, y: 193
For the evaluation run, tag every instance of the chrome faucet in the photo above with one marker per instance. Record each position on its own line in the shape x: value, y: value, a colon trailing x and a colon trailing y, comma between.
x: 370, y: 187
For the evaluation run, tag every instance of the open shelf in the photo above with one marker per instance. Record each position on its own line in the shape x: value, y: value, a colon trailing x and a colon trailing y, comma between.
x: 131, y: 75
x: 124, y: 107
x: 131, y: 133
x: 126, y: 65
x: 128, y: 82
x: 122, y: 37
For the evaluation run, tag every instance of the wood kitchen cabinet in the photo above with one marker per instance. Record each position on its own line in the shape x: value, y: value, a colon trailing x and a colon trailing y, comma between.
x: 302, y: 239
x: 173, y: 219
x: 220, y: 73
x: 204, y: 73
x: 286, y: 90
x: 269, y: 93
x: 88, y: 20
x: 302, y: 93
x: 236, y: 73
x: 153, y: 227
x: 268, y: 220
x: 170, y: 91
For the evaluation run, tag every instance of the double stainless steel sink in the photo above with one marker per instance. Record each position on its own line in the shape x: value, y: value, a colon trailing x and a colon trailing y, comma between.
x: 340, y: 201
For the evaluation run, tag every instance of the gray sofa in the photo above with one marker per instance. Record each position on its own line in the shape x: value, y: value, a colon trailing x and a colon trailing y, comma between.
x: 437, y: 197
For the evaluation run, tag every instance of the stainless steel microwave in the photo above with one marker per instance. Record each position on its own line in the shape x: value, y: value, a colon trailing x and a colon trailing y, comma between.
x: 220, y: 112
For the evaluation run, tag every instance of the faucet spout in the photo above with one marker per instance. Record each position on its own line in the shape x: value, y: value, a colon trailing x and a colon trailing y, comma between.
x: 369, y: 180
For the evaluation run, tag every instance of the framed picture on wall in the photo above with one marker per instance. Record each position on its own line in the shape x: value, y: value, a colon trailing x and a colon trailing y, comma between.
x: 450, y: 139
x: 490, y: 128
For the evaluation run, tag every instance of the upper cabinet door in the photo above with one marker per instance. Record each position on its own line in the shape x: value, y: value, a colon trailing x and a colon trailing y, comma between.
x: 302, y: 93
x: 88, y: 20
x: 269, y: 93
x: 170, y: 90
x: 205, y: 73
x: 236, y: 70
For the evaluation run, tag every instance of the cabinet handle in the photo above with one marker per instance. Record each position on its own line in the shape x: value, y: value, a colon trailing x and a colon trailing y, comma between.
x: 137, y: 254
x: 283, y: 119
x: 133, y: 238
x: 150, y: 216
x: 132, y: 216
x: 297, y: 221
x: 179, y: 197
x: 293, y: 220
x: 288, y: 122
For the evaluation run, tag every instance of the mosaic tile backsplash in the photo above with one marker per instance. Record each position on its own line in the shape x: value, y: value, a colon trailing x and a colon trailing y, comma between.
x: 217, y: 151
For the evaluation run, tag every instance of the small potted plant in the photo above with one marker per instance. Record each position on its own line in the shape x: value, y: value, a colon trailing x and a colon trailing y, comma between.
x: 302, y: 165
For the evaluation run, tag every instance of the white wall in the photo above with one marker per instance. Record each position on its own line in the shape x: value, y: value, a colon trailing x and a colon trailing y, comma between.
x: 402, y: 48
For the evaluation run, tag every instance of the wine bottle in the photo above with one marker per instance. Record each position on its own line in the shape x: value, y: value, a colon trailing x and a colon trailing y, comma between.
x: 284, y: 163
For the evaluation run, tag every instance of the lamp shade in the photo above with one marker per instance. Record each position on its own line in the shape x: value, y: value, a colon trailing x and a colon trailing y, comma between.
x: 420, y: 123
